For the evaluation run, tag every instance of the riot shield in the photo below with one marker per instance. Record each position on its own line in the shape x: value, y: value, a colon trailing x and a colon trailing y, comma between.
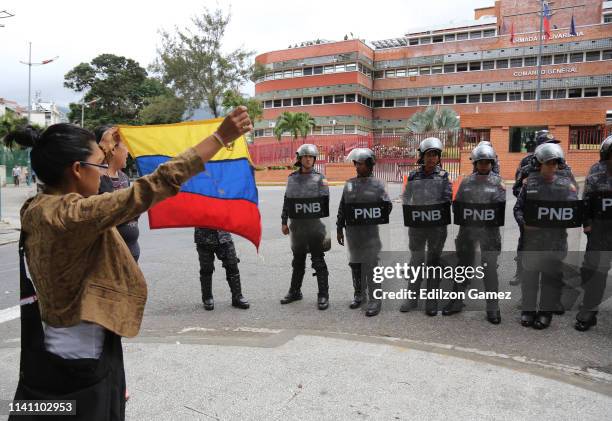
x: 309, y: 222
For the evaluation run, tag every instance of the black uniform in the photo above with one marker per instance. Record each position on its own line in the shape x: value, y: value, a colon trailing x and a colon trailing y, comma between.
x: 434, y: 188
x: 544, y: 248
x: 596, y: 264
x: 210, y: 242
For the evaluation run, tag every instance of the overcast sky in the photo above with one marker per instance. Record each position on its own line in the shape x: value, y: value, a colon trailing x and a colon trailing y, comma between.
x: 78, y: 31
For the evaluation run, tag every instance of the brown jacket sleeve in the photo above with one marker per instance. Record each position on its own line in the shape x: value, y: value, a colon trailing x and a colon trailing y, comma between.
x: 101, y: 212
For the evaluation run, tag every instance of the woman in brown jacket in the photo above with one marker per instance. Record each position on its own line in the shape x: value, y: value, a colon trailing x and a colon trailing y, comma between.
x: 89, y: 289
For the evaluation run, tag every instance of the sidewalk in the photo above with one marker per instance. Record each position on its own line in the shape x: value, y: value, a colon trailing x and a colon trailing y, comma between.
x: 11, y: 200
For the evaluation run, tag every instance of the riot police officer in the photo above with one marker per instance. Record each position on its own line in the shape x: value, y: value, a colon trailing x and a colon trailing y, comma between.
x: 306, y: 204
x: 495, y: 168
x: 598, y: 228
x: 545, y: 235
x: 212, y: 242
x: 485, y: 189
x: 428, y: 185
x: 364, y: 207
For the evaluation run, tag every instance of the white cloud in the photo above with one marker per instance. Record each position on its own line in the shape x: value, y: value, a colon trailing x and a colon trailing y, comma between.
x: 78, y: 31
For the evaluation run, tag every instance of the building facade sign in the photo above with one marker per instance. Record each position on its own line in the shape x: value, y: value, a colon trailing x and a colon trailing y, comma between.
x: 530, y: 38
x: 554, y: 71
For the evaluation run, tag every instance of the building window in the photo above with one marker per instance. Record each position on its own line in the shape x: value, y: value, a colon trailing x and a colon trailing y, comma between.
x: 326, y: 130
x: 389, y: 103
x: 606, y: 91
x: 287, y: 102
x: 488, y: 65
x: 307, y: 101
x: 448, y: 99
x: 546, y: 60
x: 559, y: 93
x: 462, y: 36
x: 501, y: 96
x: 400, y: 102
x: 269, y: 76
x: 400, y: 73
x: 519, y: 136
x: 412, y: 102
x: 474, y: 65
x: 436, y: 70
x: 487, y: 97
x: 516, y: 62
x: 340, y: 68
x: 268, y: 104
x: 449, y: 37
x: 502, y: 64
x: 607, y: 55
x: 338, y: 99
x: 574, y: 93
x: 461, y: 99
x: 350, y: 97
x: 607, y: 18
x: 514, y: 96
x: 449, y: 68
x: 328, y: 99
x: 268, y: 132
x: 488, y: 33
x: 545, y: 94
x: 349, y: 129
x: 424, y: 100
x: 560, y: 58
x: 379, y: 74
x: 576, y: 57
x: 287, y: 74
x: 438, y: 38
x: 424, y: 70
x: 531, y: 61
x: 338, y: 129
x: 297, y: 73
x: 296, y: 101
x: 476, y: 35
x: 351, y: 67
x: 278, y: 75
x: 317, y: 100
x: 413, y: 72
x: 426, y: 40
x: 377, y: 103
x: 328, y: 69
x: 591, y: 92
x: 436, y: 100
x: 473, y: 98
x: 593, y: 55
x: 389, y: 73
x: 413, y: 41
x: 307, y: 71
x: 462, y: 67
x: 529, y: 95
x: 278, y: 103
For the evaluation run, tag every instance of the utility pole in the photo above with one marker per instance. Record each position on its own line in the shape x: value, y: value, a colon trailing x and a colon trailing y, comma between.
x: 86, y: 104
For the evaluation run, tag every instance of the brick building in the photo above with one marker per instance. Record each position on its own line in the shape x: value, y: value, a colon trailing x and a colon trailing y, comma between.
x: 485, y: 69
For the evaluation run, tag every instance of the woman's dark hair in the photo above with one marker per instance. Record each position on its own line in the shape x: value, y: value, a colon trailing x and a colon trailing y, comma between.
x: 100, y: 131
x: 54, y: 149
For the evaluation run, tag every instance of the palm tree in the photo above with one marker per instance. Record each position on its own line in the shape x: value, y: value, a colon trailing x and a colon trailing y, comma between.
x: 296, y: 124
x: 442, y: 118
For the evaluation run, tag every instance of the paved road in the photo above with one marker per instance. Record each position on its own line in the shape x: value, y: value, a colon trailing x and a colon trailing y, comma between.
x: 297, y: 362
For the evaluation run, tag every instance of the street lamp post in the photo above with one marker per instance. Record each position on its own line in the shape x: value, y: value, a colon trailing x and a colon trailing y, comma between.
x: 86, y: 104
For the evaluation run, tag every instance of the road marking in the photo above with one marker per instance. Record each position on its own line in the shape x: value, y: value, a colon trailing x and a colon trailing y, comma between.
x: 9, y: 314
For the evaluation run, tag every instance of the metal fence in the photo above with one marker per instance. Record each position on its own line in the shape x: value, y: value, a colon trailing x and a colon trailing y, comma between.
x: 396, y: 156
x: 588, y: 137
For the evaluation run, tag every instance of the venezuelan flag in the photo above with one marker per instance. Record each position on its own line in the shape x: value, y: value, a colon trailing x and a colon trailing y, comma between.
x: 223, y: 196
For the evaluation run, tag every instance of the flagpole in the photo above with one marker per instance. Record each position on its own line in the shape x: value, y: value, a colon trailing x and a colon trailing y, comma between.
x: 539, y: 86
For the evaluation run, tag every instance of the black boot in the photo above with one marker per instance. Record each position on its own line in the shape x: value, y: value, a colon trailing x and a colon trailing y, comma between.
x: 542, y: 320
x: 494, y: 316
x: 527, y: 318
x: 323, y: 295
x: 207, y: 297
x: 373, y: 304
x: 585, y: 320
x: 295, y: 293
x: 454, y: 305
x: 233, y: 280
x: 431, y: 305
x: 358, y: 290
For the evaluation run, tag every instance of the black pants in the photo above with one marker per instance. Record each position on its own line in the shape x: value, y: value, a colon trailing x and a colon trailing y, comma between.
x: 595, y: 267
x: 433, y: 239
x: 226, y: 252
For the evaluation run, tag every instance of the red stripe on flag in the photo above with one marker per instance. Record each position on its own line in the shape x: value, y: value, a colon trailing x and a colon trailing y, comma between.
x: 195, y: 210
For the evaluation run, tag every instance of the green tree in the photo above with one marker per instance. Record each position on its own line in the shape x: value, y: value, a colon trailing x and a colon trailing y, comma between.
x: 433, y: 118
x: 233, y: 98
x: 121, y: 86
x: 192, y: 63
x: 163, y: 109
x: 296, y: 124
